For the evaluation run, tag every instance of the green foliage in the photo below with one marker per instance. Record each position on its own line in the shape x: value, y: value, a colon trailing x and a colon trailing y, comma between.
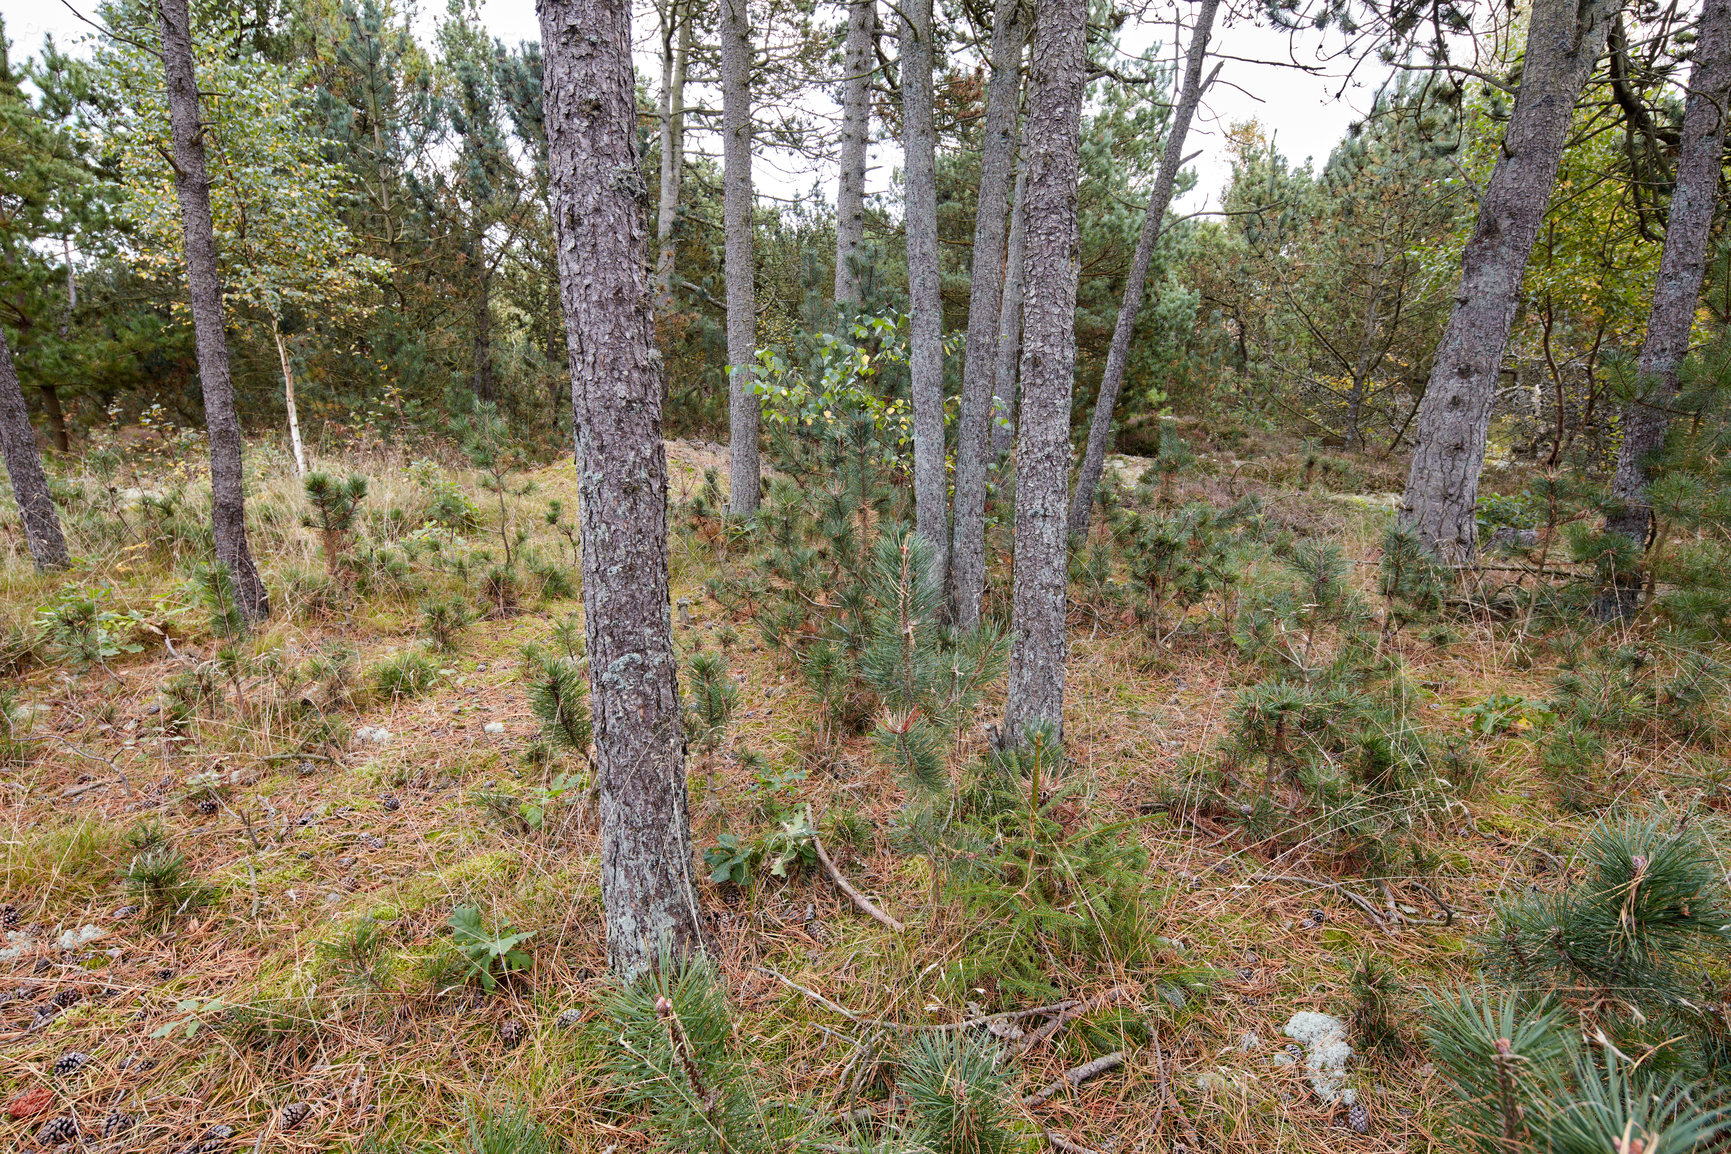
x: 711, y: 696
x: 214, y: 586
x: 1409, y: 579
x: 558, y: 696
x: 161, y: 879
x: 729, y: 860
x: 507, y: 1129
x: 1180, y: 560
x: 489, y: 955
x: 81, y: 631
x: 442, y: 621
x: 335, y: 507
x: 355, y: 954
x: 406, y: 674
x: 959, y: 1093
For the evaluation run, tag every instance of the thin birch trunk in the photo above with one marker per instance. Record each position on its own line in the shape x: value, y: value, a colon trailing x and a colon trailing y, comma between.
x: 985, y: 306
x: 288, y: 392
x: 1039, y: 646
x: 1564, y: 39
x: 925, y: 321
x: 1682, y: 265
x: 204, y: 283
x: 676, y: 50
x: 742, y: 405
x: 1010, y: 325
x: 1118, y: 353
x: 647, y: 891
x: 855, y: 140
x: 24, y: 466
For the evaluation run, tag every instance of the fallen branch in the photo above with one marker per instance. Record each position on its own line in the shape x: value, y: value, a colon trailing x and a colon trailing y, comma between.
x: 1059, y: 1142
x: 1169, y: 1099
x: 1362, y: 902
x: 879, y: 1023
x: 1076, y: 1077
x: 845, y: 887
x: 1063, y: 1015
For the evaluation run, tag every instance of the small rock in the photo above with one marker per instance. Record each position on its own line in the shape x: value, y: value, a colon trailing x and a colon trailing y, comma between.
x: 372, y: 842
x: 494, y: 727
x: 1211, y: 1080
x: 121, y: 912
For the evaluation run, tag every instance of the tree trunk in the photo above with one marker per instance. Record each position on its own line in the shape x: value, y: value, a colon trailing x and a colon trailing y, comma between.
x: 925, y: 308
x: 483, y: 352
x: 1564, y: 39
x: 50, y: 394
x: 204, y: 282
x: 288, y: 393
x: 24, y: 467
x: 646, y: 860
x: 742, y: 406
x: 985, y: 304
x: 1010, y: 325
x: 1038, y: 601
x: 676, y: 50
x: 1682, y: 265
x: 1100, y: 431
x: 856, y: 114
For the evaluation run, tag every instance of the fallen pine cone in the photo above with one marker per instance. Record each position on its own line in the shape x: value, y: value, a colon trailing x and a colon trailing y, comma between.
x: 293, y: 1115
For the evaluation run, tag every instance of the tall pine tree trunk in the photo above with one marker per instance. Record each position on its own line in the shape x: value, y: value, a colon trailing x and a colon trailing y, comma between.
x: 676, y: 50
x: 1564, y: 39
x: 483, y: 334
x: 1118, y: 353
x: 856, y: 114
x: 204, y: 282
x: 647, y: 891
x: 1682, y: 264
x: 1009, y: 353
x: 24, y: 466
x: 985, y: 306
x: 742, y: 406
x: 1038, y: 602
x: 926, y: 319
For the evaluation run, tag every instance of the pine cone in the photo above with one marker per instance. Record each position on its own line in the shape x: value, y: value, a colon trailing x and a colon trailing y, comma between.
x: 70, y: 1063
x: 9, y: 916
x: 510, y: 1033
x: 570, y: 1019
x: 68, y: 998
x: 117, y: 1123
x: 207, y: 805
x: 389, y: 803
x: 1359, y: 1118
x: 372, y: 842
x: 57, y: 1130
x: 45, y: 1015
x: 292, y: 1115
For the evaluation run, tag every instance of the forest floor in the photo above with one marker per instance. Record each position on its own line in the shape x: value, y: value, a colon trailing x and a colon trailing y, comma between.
x: 313, y: 961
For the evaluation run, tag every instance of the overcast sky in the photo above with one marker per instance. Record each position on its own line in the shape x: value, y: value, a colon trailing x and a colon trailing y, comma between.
x: 1299, y: 108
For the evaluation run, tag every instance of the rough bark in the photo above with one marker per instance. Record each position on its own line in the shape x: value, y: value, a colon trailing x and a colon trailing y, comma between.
x: 742, y: 405
x: 985, y: 302
x: 1038, y: 602
x: 1564, y: 39
x: 1117, y: 354
x: 24, y: 466
x: 926, y: 318
x: 1003, y: 429
x: 204, y: 283
x: 288, y: 393
x: 675, y: 51
x: 1682, y: 264
x: 647, y: 891
x: 855, y: 138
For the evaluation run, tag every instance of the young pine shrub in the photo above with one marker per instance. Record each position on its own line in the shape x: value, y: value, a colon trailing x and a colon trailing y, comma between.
x: 335, y: 508
x: 507, y: 1129
x: 161, y: 879
x: 558, y: 696
x: 1410, y: 580
x: 442, y: 622
x: 409, y: 673
x: 959, y: 1094
x: 711, y: 696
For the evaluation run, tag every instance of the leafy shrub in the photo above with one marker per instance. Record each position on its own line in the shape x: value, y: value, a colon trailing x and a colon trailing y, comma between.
x: 488, y: 954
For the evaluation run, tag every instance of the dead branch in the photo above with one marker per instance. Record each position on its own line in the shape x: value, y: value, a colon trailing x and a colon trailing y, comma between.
x: 1076, y: 1076
x: 845, y: 887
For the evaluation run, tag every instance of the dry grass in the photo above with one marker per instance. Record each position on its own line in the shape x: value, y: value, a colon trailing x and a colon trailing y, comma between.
x: 236, y: 1011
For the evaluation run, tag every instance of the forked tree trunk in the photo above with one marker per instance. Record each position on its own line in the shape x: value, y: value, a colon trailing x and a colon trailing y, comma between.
x: 647, y: 891
x: 1009, y: 357
x: 288, y: 393
x: 1038, y: 604
x: 676, y: 50
x: 204, y: 282
x: 855, y: 139
x: 925, y: 308
x: 24, y: 466
x: 1564, y: 39
x: 1682, y: 264
x: 1118, y: 353
x: 985, y: 306
x: 742, y: 406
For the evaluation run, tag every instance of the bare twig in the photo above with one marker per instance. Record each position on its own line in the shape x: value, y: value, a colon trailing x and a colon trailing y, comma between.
x: 1059, y: 1142
x: 845, y: 887
x: 1076, y: 1076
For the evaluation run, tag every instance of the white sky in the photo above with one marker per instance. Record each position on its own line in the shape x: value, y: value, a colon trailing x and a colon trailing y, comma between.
x: 1300, y: 109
